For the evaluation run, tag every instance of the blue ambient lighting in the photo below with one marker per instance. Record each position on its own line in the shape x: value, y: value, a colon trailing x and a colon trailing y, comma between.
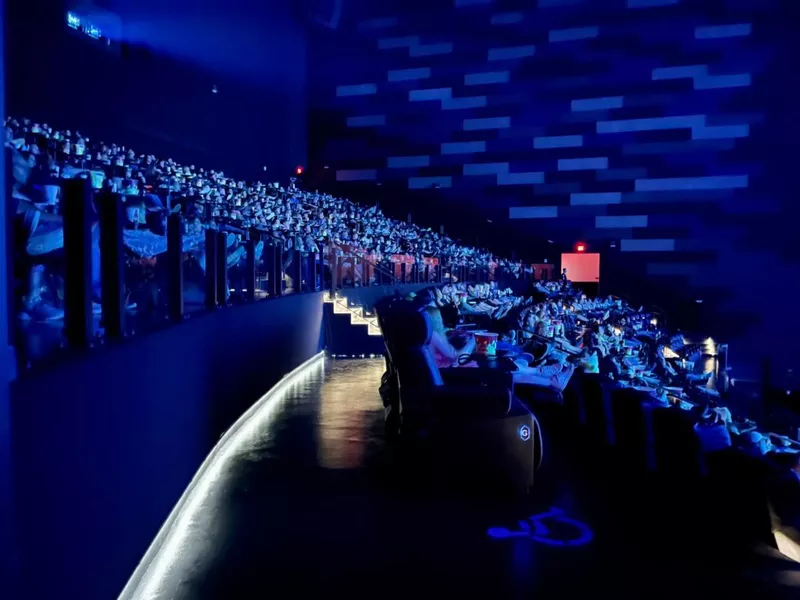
x: 169, y: 551
x: 570, y: 533
x: 524, y: 433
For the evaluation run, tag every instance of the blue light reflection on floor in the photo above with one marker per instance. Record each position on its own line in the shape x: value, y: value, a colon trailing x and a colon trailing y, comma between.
x: 534, y: 528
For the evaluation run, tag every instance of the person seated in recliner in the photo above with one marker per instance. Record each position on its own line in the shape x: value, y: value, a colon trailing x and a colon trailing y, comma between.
x: 444, y: 352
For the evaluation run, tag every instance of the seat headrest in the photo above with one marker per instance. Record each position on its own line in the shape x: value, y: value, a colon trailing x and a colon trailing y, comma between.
x: 413, y: 327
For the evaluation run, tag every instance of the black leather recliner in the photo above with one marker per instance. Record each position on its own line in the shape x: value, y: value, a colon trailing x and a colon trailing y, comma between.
x: 474, y: 429
x: 633, y: 428
x: 596, y: 400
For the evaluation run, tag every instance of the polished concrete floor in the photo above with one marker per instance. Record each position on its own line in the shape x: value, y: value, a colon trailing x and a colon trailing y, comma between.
x: 316, y: 502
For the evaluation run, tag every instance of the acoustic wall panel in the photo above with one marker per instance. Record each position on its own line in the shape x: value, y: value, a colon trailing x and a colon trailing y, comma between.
x: 364, y: 89
x: 571, y: 35
x: 692, y: 183
x: 405, y: 162
x: 464, y: 103
x: 582, y: 164
x: 511, y: 53
x: 559, y: 141
x: 533, y: 212
x: 410, y: 74
x: 715, y: 32
x: 664, y: 245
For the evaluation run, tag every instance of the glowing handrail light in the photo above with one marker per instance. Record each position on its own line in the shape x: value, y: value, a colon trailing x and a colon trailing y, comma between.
x: 73, y: 20
x: 150, y: 576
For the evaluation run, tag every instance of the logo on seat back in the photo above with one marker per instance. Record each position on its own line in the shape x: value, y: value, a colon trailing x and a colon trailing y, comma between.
x: 524, y: 433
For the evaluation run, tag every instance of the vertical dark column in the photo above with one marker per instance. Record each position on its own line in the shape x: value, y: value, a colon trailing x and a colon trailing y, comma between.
x: 269, y: 266
x: 175, y: 267
x: 402, y: 272
x: 297, y: 271
x: 211, y: 269
x: 250, y: 271
x: 314, y: 270
x: 222, y: 269
x: 112, y: 264
x: 78, y: 258
x: 427, y: 273
x: 338, y: 277
x: 279, y: 270
x: 9, y: 571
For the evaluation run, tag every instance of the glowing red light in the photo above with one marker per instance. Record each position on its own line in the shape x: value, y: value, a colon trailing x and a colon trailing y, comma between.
x: 299, y: 170
x: 580, y: 248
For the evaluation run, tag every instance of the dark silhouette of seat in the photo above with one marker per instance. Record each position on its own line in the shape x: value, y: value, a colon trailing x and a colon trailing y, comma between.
x: 633, y: 428
x: 472, y: 428
x: 596, y: 400
x: 677, y: 446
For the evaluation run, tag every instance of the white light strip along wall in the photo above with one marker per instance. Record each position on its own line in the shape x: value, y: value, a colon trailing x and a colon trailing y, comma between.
x: 157, y: 570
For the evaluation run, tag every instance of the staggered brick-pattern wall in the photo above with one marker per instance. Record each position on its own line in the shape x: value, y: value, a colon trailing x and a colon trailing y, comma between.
x: 656, y: 130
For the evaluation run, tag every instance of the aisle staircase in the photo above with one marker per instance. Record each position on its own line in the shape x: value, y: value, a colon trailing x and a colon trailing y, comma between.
x: 351, y: 330
x: 358, y: 314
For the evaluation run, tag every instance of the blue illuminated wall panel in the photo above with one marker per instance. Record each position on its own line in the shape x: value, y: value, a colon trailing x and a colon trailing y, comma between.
x: 664, y: 127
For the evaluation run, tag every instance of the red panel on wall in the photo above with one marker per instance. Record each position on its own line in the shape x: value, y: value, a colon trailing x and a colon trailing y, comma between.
x: 581, y: 267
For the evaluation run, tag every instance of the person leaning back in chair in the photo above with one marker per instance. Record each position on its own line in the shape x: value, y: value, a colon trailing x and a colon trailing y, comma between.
x: 447, y: 348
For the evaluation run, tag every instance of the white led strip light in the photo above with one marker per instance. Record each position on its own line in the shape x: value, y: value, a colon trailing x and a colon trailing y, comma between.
x: 150, y: 576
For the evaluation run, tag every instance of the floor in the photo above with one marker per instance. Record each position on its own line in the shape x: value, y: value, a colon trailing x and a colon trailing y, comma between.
x: 316, y: 503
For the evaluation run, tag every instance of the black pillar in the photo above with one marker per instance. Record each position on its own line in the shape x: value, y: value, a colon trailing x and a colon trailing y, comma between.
x: 222, y: 269
x: 112, y: 264
x: 250, y: 271
x: 78, y: 327
x: 297, y: 270
x: 175, y: 267
x: 211, y: 269
x: 271, y: 259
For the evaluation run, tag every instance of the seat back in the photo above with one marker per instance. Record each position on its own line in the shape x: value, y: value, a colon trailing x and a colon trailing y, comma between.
x: 597, y: 409
x: 677, y: 445
x: 411, y: 353
x: 633, y: 428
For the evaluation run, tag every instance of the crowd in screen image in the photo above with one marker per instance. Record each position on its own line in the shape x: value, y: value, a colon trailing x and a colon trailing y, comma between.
x: 558, y: 331
x: 152, y: 187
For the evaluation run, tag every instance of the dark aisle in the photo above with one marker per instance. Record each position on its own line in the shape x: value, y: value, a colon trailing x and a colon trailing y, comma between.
x: 315, y: 505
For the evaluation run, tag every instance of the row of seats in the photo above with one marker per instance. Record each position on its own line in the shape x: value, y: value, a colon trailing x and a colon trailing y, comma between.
x: 481, y: 413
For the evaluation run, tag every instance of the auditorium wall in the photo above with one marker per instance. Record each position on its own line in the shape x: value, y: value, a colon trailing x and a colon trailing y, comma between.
x: 104, y: 445
x: 152, y: 89
x: 660, y: 132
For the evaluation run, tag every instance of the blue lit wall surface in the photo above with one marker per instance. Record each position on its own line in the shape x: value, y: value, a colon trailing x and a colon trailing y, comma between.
x: 104, y: 446
x: 151, y: 87
x: 660, y: 131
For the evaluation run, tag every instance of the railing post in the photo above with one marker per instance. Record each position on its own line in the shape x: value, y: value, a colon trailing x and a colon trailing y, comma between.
x: 279, y: 270
x: 78, y: 325
x: 222, y: 268
x: 403, y: 272
x: 427, y: 273
x: 271, y: 262
x: 112, y: 264
x: 175, y: 267
x: 297, y: 271
x: 314, y: 270
x: 250, y: 270
x: 211, y: 269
